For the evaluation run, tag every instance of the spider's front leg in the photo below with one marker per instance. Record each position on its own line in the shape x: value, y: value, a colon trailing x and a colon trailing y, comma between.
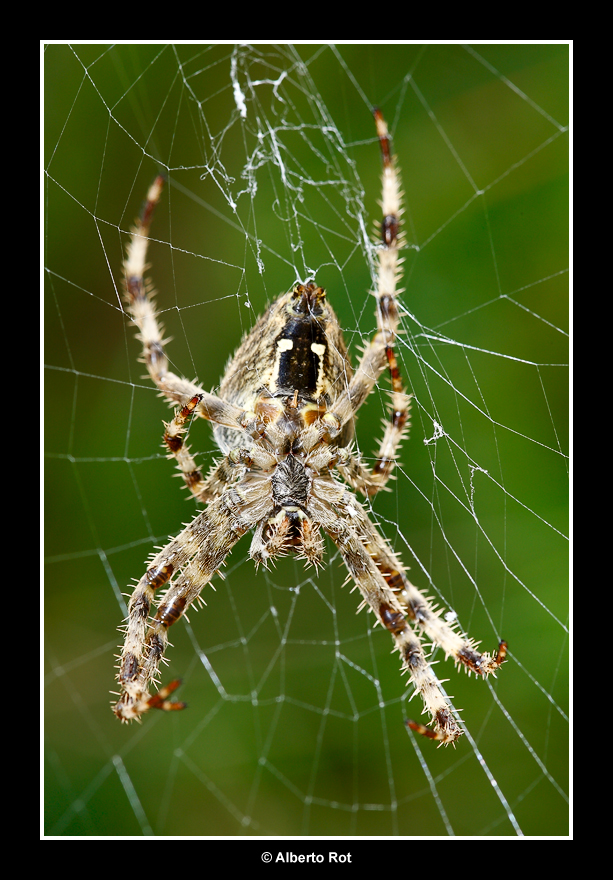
x: 398, y: 605
x: 384, y: 603
x: 430, y: 620
x: 418, y: 607
x: 194, y: 556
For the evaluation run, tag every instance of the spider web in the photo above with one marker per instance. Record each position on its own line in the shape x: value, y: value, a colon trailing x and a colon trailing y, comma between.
x: 296, y: 705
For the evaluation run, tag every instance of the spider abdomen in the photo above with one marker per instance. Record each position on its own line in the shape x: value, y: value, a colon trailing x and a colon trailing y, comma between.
x: 295, y: 350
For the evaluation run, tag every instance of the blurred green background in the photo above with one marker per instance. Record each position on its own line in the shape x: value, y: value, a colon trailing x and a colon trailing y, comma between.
x: 296, y: 705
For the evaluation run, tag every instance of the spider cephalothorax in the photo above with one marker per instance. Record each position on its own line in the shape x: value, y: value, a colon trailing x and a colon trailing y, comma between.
x: 284, y: 421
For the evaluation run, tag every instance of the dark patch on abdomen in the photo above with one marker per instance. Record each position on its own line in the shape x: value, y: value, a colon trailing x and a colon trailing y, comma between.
x: 299, y: 366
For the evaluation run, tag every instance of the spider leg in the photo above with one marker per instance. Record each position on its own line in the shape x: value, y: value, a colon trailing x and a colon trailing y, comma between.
x: 371, y: 481
x: 194, y: 556
x: 384, y: 602
x: 202, y: 489
x: 380, y: 352
x: 418, y: 608
x: 177, y: 447
x: 381, y: 578
x: 141, y: 307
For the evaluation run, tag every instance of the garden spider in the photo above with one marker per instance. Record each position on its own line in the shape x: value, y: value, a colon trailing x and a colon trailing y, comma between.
x: 284, y: 421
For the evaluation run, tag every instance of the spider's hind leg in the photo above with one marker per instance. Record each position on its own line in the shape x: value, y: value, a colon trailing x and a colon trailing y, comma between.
x: 390, y: 241
x: 141, y: 307
x: 380, y: 353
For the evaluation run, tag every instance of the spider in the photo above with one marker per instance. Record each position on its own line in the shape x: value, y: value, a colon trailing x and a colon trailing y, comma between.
x: 284, y: 422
